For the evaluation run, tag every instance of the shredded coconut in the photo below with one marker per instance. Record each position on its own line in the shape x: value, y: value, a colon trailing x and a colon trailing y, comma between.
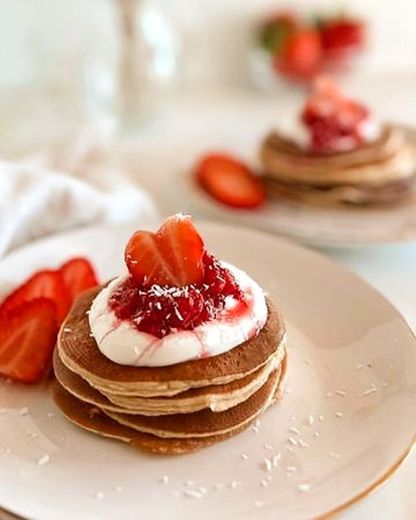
x: 292, y: 441
x: 44, y: 459
x: 192, y: 493
x: 343, y: 393
x: 370, y: 390
x: 304, y: 488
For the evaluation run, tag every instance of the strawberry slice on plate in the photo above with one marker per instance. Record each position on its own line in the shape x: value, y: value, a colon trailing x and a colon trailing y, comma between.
x: 78, y: 275
x: 230, y: 181
x: 172, y: 256
x: 43, y: 284
x: 27, y: 339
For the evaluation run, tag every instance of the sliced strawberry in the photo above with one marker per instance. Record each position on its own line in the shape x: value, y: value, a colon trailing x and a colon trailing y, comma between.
x: 171, y: 256
x: 27, y: 339
x: 43, y: 284
x: 78, y: 275
x: 301, y: 56
x: 230, y: 181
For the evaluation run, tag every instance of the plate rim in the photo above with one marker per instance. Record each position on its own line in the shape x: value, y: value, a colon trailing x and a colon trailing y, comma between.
x: 391, y: 470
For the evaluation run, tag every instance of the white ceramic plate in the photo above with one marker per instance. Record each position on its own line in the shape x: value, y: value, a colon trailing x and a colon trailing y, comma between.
x: 346, y: 421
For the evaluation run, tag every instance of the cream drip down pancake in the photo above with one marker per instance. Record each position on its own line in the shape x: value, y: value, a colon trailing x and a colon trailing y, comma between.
x: 195, y: 392
x: 343, y: 162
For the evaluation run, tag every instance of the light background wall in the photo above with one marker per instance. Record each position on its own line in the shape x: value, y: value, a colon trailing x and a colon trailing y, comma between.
x: 215, y: 33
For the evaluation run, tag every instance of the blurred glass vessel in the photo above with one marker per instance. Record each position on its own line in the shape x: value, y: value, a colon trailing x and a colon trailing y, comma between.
x: 134, y: 70
x: 67, y: 64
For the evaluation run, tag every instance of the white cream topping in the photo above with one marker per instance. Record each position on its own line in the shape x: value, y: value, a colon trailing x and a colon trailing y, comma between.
x: 121, y: 341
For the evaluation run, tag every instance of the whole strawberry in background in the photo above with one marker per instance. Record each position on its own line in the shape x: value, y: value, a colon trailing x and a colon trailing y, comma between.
x: 301, y: 48
x: 300, y: 56
x: 342, y: 39
x: 276, y: 29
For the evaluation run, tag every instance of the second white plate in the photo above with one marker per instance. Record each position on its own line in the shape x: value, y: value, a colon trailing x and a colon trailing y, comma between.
x: 327, y: 227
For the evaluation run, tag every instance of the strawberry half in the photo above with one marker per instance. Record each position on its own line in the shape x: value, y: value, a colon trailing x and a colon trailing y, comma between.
x: 276, y: 29
x: 230, y: 181
x: 171, y: 256
x: 78, y: 275
x: 44, y: 284
x: 27, y: 339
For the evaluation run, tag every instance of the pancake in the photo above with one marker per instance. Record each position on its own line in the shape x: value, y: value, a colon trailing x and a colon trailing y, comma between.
x: 361, y: 194
x: 377, y: 173
x: 92, y: 419
x: 171, y: 409
x: 205, y: 422
x: 79, y: 352
x: 215, y: 397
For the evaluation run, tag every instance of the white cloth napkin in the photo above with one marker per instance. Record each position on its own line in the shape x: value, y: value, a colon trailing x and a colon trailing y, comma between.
x: 73, y: 185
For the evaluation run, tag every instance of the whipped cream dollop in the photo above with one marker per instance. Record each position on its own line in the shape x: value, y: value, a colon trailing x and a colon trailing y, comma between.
x: 121, y: 341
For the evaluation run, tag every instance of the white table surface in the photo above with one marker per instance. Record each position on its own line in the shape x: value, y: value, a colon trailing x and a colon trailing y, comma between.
x: 236, y: 122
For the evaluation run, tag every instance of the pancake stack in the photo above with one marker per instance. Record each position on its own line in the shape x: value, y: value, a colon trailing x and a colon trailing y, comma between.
x: 173, y: 409
x: 377, y: 173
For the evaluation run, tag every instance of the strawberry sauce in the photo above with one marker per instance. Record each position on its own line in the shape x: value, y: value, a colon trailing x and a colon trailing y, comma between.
x: 335, y: 122
x: 162, y: 310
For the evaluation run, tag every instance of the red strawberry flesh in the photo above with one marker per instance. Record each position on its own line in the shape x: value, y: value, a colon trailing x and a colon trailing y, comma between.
x: 339, y: 34
x: 172, y: 256
x: 44, y: 284
x: 78, y: 275
x: 230, y: 181
x: 27, y: 339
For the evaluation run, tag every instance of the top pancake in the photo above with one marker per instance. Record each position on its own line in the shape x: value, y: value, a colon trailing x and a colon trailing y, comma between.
x: 79, y: 352
x: 390, y: 158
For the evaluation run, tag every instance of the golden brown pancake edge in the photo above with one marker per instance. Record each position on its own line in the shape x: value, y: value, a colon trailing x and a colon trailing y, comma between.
x: 90, y: 418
